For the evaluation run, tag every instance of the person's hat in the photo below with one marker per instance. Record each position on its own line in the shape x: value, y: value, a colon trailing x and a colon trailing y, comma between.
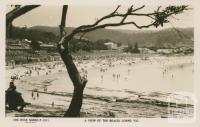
x: 12, y: 84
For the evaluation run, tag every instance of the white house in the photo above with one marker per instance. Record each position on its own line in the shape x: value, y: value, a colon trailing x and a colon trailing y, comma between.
x: 111, y: 45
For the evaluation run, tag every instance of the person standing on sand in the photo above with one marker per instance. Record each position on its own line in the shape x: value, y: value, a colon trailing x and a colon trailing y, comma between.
x: 45, y: 88
x: 32, y: 94
x: 37, y: 95
x: 52, y: 104
x: 113, y: 76
x: 101, y: 78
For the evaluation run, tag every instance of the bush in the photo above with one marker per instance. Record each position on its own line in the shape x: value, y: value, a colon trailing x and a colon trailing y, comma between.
x: 131, y: 49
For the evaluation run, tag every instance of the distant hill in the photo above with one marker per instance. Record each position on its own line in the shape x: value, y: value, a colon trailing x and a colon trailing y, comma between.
x: 171, y: 37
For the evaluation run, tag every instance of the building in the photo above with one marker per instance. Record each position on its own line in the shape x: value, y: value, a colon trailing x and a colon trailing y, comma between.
x: 111, y: 45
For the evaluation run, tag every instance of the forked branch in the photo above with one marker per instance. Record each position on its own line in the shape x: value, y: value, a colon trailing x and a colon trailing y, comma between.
x: 157, y: 18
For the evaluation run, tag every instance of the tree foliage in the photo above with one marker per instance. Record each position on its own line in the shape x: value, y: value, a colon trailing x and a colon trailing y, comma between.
x: 35, y: 45
x: 132, y: 49
x: 31, y: 34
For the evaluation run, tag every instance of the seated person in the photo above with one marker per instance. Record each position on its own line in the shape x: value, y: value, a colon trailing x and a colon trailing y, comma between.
x: 14, y: 100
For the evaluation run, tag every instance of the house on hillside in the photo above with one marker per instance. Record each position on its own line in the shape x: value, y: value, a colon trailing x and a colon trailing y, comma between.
x: 44, y: 46
x: 28, y: 41
x: 111, y: 45
x: 16, y: 45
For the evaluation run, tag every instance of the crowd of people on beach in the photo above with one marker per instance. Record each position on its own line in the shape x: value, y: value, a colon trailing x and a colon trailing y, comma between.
x: 36, y: 70
x: 103, y: 63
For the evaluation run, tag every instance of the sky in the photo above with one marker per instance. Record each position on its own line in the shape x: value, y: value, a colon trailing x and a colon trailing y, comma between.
x: 82, y: 15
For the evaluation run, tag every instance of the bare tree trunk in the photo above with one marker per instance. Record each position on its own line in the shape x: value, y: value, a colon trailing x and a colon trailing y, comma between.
x: 9, y: 30
x: 76, y: 103
x: 78, y: 82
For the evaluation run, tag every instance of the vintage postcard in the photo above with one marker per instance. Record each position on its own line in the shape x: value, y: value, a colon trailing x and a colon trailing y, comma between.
x: 125, y: 64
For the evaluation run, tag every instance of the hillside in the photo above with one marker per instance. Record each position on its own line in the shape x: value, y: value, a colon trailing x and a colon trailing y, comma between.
x: 146, y: 38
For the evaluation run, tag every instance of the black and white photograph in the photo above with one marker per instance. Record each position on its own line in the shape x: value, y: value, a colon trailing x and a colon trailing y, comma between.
x: 83, y: 61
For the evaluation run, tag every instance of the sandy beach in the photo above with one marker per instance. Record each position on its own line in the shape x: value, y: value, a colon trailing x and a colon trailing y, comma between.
x: 117, y: 86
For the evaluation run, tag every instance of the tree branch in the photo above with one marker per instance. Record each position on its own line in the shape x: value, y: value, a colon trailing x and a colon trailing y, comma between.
x: 98, y: 21
x: 10, y: 16
x: 117, y: 24
x: 159, y: 17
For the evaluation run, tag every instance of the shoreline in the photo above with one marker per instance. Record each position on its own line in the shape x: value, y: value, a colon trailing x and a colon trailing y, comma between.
x: 125, y: 97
